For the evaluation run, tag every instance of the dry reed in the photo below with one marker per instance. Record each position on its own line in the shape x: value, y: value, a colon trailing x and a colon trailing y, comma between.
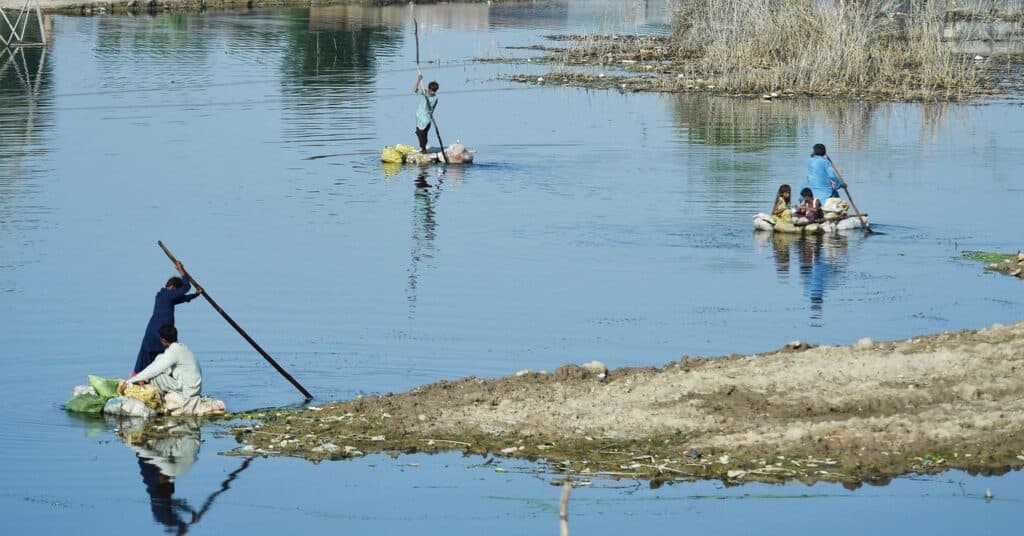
x: 884, y: 48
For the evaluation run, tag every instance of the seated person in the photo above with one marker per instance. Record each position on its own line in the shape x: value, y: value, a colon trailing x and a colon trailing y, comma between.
x: 808, y: 211
x: 175, y: 370
x: 781, y: 210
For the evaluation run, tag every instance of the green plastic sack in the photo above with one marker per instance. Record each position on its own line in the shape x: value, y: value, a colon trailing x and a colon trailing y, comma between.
x: 86, y: 404
x: 104, y: 387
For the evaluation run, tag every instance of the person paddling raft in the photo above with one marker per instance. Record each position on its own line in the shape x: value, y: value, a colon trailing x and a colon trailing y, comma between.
x: 423, y: 113
x: 821, y: 176
x: 175, y: 291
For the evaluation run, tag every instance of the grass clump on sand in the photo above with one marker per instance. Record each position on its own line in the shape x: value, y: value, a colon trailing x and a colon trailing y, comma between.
x: 988, y: 256
x: 872, y: 47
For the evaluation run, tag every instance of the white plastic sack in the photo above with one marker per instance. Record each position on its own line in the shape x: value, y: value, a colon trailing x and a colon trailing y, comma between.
x: 177, y: 405
x: 124, y: 406
x: 458, y: 154
x: 80, y: 390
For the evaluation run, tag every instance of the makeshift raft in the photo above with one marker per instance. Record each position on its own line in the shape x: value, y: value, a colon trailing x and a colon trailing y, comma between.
x: 144, y: 401
x: 836, y: 219
x: 764, y: 222
x: 407, y: 154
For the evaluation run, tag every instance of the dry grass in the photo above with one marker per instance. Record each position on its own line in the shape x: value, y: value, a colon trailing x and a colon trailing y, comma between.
x: 888, y: 49
x: 821, y: 48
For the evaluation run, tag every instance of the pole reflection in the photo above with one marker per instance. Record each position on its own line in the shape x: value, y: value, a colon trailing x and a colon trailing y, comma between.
x: 424, y: 229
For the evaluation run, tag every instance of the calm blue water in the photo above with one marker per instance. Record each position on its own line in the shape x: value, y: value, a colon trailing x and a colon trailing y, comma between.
x: 595, y: 225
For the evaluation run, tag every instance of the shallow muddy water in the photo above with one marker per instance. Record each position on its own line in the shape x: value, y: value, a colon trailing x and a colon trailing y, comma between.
x: 595, y: 225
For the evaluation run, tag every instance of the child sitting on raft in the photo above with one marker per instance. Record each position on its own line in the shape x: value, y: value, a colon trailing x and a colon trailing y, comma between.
x: 781, y: 211
x: 809, y: 211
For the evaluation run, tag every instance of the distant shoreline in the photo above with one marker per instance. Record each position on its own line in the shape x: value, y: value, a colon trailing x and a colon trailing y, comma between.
x: 98, y: 7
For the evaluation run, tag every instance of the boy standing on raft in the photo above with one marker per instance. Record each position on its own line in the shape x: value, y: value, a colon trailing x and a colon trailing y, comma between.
x: 423, y: 113
x: 175, y: 291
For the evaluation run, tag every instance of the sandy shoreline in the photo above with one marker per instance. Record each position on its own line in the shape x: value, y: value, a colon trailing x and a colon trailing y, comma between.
x: 864, y: 412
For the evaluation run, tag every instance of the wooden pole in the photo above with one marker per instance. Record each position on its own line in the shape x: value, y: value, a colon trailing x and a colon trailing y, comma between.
x: 839, y: 174
x: 430, y: 109
x: 241, y: 331
x: 563, y: 508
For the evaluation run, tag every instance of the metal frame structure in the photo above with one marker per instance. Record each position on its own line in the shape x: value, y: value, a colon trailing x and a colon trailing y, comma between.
x: 14, y: 34
x: 31, y: 80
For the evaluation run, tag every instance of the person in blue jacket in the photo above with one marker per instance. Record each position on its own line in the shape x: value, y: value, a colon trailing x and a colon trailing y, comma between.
x: 821, y: 176
x: 173, y: 293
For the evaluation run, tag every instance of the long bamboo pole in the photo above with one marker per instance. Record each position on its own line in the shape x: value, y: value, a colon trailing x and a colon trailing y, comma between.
x: 430, y: 109
x: 863, y: 222
x: 241, y: 331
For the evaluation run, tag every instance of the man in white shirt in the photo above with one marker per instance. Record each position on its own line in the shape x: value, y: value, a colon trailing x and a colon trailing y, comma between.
x: 175, y: 370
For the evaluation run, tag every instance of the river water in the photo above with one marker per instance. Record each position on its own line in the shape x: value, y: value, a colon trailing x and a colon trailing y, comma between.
x: 595, y: 225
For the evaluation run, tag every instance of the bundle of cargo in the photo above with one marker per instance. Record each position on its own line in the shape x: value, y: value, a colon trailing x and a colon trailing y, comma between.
x: 456, y: 153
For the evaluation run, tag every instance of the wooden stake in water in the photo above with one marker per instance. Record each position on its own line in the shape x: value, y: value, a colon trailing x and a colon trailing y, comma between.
x: 241, y: 331
x: 563, y: 508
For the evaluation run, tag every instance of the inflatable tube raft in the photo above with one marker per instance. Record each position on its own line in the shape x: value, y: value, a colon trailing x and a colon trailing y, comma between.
x: 764, y: 222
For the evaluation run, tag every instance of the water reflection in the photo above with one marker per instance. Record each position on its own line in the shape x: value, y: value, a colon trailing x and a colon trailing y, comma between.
x: 165, y: 453
x: 462, y: 17
x: 26, y: 89
x: 329, y: 72
x: 821, y: 262
x: 424, y: 229
x: 753, y: 125
x: 26, y: 122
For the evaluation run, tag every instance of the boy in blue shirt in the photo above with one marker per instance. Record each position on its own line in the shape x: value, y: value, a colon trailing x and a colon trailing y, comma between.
x: 423, y: 113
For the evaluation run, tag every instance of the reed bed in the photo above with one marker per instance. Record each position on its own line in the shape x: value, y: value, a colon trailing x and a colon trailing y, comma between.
x: 889, y: 49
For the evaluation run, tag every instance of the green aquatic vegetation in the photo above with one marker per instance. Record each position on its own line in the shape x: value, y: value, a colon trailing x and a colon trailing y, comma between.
x: 987, y: 256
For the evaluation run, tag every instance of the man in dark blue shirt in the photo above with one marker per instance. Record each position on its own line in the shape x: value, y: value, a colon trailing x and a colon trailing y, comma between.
x: 173, y: 293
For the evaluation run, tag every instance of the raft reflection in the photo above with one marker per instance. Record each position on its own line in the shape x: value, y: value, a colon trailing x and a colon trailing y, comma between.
x: 165, y: 453
x: 821, y: 263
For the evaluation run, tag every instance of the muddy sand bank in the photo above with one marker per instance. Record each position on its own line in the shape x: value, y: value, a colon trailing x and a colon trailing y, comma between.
x: 1013, y: 265
x: 857, y: 413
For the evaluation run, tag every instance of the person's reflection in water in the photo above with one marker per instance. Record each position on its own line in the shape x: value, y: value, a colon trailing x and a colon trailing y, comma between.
x: 781, y: 246
x: 164, y: 458
x: 820, y: 260
x: 161, y: 461
x: 424, y: 229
